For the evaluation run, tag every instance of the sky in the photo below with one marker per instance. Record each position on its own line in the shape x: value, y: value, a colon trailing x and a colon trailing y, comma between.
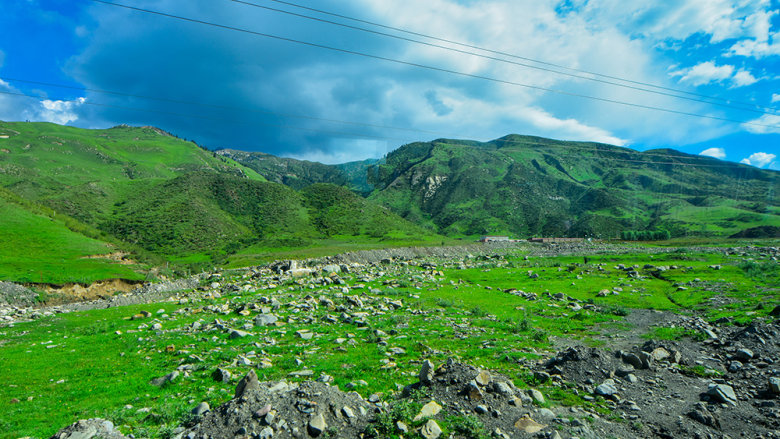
x: 342, y: 80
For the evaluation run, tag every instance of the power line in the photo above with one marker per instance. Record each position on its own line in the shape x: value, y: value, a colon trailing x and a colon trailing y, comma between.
x: 433, y: 68
x: 727, y: 104
x: 443, y: 136
x: 497, y: 52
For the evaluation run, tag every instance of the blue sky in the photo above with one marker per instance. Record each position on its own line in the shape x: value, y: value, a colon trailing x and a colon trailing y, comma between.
x: 229, y: 89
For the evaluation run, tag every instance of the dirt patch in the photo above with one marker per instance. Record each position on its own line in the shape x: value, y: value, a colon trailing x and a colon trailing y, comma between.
x: 69, y: 293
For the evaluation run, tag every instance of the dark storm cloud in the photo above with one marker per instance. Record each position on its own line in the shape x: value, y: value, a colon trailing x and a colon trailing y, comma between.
x: 248, y: 85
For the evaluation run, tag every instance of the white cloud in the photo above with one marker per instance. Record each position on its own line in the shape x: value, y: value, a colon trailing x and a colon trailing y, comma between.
x: 756, y: 49
x: 759, y: 159
x: 346, y: 150
x: 14, y: 106
x: 766, y: 124
x: 60, y: 112
x: 704, y: 73
x: 718, y: 153
x: 708, y: 72
x: 743, y: 78
x: 775, y: 97
x: 569, y: 128
x: 680, y: 19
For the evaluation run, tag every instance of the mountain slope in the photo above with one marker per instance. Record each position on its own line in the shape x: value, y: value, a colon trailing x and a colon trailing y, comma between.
x: 163, y: 198
x: 301, y: 173
x: 39, y: 246
x: 84, y: 172
x: 523, y: 186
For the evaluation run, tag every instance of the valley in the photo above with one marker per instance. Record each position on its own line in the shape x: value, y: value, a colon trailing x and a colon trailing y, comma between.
x: 151, y: 288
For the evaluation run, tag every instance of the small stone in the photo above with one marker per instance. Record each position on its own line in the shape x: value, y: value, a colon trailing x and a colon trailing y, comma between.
x: 262, y: 411
x: 660, y: 354
x: 541, y: 376
x: 431, y: 430
x: 317, y: 425
x: 546, y: 414
x: 744, y: 355
x: 528, y: 425
x: 165, y: 379
x: 247, y: 383
x: 502, y: 388
x: 304, y: 334
x: 735, y: 366
x: 221, y: 375
x: 237, y: 333
x: 201, y: 408
x: 607, y: 388
x: 266, y: 433
x: 348, y: 412
x: 536, y: 395
x: 426, y: 372
x: 400, y: 427
x: 483, y: 378
x: 774, y: 385
x: 428, y: 411
x: 722, y: 393
x: 473, y: 391
x: 265, y: 320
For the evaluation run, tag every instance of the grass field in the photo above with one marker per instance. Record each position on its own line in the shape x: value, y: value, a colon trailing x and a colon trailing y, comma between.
x: 99, y: 363
x: 39, y: 249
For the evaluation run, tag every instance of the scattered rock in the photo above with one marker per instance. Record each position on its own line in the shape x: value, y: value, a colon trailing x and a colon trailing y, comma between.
x: 722, y: 393
x: 431, y: 430
x: 221, y: 375
x: 248, y: 383
x: 165, y: 379
x: 317, y: 425
x: 528, y: 425
x: 428, y: 411
x: 200, y: 409
x: 95, y: 428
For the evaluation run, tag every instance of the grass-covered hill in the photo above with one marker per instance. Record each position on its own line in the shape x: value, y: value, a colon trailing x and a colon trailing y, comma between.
x: 523, y: 186
x: 149, y: 193
x: 301, y: 173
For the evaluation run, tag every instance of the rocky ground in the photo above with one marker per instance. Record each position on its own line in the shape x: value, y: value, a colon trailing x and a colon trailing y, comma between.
x: 724, y: 385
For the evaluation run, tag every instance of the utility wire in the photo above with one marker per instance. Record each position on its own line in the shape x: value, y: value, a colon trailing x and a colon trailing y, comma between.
x: 497, y: 52
x: 728, y: 104
x: 433, y: 68
x: 442, y: 137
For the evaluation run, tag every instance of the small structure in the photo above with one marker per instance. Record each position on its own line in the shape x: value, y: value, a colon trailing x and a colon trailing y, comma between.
x: 494, y: 239
x: 555, y: 239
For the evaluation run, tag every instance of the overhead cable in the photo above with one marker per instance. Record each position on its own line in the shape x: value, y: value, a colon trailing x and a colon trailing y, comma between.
x: 437, y: 69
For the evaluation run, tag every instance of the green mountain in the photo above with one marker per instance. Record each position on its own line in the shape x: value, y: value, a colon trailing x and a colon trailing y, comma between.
x: 524, y: 186
x: 149, y: 193
x: 301, y: 173
x: 69, y: 195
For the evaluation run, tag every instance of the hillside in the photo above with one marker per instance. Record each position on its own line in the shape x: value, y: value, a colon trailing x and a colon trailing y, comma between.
x: 523, y: 186
x: 161, y: 198
x: 82, y: 173
x: 40, y: 246
x: 300, y: 173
